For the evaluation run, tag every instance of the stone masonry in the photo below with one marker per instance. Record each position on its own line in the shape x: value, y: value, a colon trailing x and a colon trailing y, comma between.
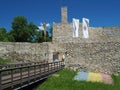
x: 99, y: 53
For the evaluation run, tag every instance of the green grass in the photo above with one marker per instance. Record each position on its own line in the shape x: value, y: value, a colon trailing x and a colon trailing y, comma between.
x: 63, y: 80
x: 2, y: 61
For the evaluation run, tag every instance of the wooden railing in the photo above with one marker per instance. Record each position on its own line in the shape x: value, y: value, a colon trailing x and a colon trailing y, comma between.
x: 16, y: 64
x: 21, y: 75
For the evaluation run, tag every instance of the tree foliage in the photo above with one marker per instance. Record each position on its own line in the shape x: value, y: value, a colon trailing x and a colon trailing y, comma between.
x: 3, y: 35
x: 51, y: 32
x: 22, y: 31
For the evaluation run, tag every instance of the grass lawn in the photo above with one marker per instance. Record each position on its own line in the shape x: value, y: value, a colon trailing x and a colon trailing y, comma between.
x: 63, y: 80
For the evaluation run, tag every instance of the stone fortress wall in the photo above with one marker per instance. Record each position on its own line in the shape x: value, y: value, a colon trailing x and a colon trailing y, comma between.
x: 23, y: 52
x: 99, y: 53
x: 63, y: 32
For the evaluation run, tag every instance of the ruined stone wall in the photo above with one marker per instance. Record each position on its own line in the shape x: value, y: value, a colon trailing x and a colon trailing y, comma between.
x: 87, y: 56
x: 24, y: 52
x: 96, y: 57
x: 90, y: 56
x: 98, y: 53
x: 63, y: 32
x: 30, y: 52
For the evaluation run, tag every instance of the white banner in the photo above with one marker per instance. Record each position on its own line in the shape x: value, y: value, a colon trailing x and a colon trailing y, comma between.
x: 85, y: 27
x: 75, y: 27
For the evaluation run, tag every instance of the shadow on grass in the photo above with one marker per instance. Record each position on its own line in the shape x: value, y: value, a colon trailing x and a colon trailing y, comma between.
x: 33, y: 86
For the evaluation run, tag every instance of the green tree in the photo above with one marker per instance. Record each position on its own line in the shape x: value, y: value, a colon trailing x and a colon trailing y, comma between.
x: 19, y: 26
x: 3, y: 35
x: 33, y: 31
x: 39, y: 36
x: 22, y: 31
x: 49, y: 39
x: 10, y: 36
x: 51, y: 32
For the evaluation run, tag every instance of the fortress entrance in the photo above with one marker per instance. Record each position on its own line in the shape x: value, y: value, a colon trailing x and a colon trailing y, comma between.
x: 55, y: 56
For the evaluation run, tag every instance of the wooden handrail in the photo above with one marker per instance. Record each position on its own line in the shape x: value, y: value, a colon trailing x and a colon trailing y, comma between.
x: 18, y: 64
x: 10, y: 77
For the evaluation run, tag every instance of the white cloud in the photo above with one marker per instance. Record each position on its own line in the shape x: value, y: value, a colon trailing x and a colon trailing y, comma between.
x: 47, y: 25
x: 41, y: 26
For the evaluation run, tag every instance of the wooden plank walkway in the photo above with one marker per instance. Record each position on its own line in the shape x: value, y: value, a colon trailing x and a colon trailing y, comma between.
x: 17, y: 76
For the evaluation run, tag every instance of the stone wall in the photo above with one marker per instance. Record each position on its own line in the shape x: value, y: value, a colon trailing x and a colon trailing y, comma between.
x: 100, y: 52
x: 96, y: 57
x: 87, y: 56
x: 30, y: 52
x: 62, y: 32
x: 24, y: 52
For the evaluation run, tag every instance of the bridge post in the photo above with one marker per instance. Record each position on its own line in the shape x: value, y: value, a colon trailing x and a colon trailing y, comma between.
x: 40, y: 69
x: 21, y: 75
x: 47, y: 68
x: 54, y: 65
x: 12, y: 78
x: 44, y: 67
x: 59, y: 65
x: 28, y: 74
x: 0, y: 80
x: 35, y: 72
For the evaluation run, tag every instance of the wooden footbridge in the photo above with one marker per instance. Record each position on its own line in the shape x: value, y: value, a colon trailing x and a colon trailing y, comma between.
x: 16, y: 76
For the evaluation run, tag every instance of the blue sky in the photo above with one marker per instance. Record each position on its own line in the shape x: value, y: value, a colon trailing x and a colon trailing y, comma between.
x: 100, y: 12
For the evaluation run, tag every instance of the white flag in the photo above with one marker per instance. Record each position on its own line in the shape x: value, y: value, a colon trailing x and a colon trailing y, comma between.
x: 75, y: 27
x: 85, y: 26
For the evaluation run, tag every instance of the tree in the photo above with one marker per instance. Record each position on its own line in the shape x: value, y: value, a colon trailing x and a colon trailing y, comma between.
x: 22, y: 31
x: 51, y: 32
x: 19, y: 26
x: 10, y: 36
x: 33, y: 30
x: 3, y: 35
x: 39, y: 36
